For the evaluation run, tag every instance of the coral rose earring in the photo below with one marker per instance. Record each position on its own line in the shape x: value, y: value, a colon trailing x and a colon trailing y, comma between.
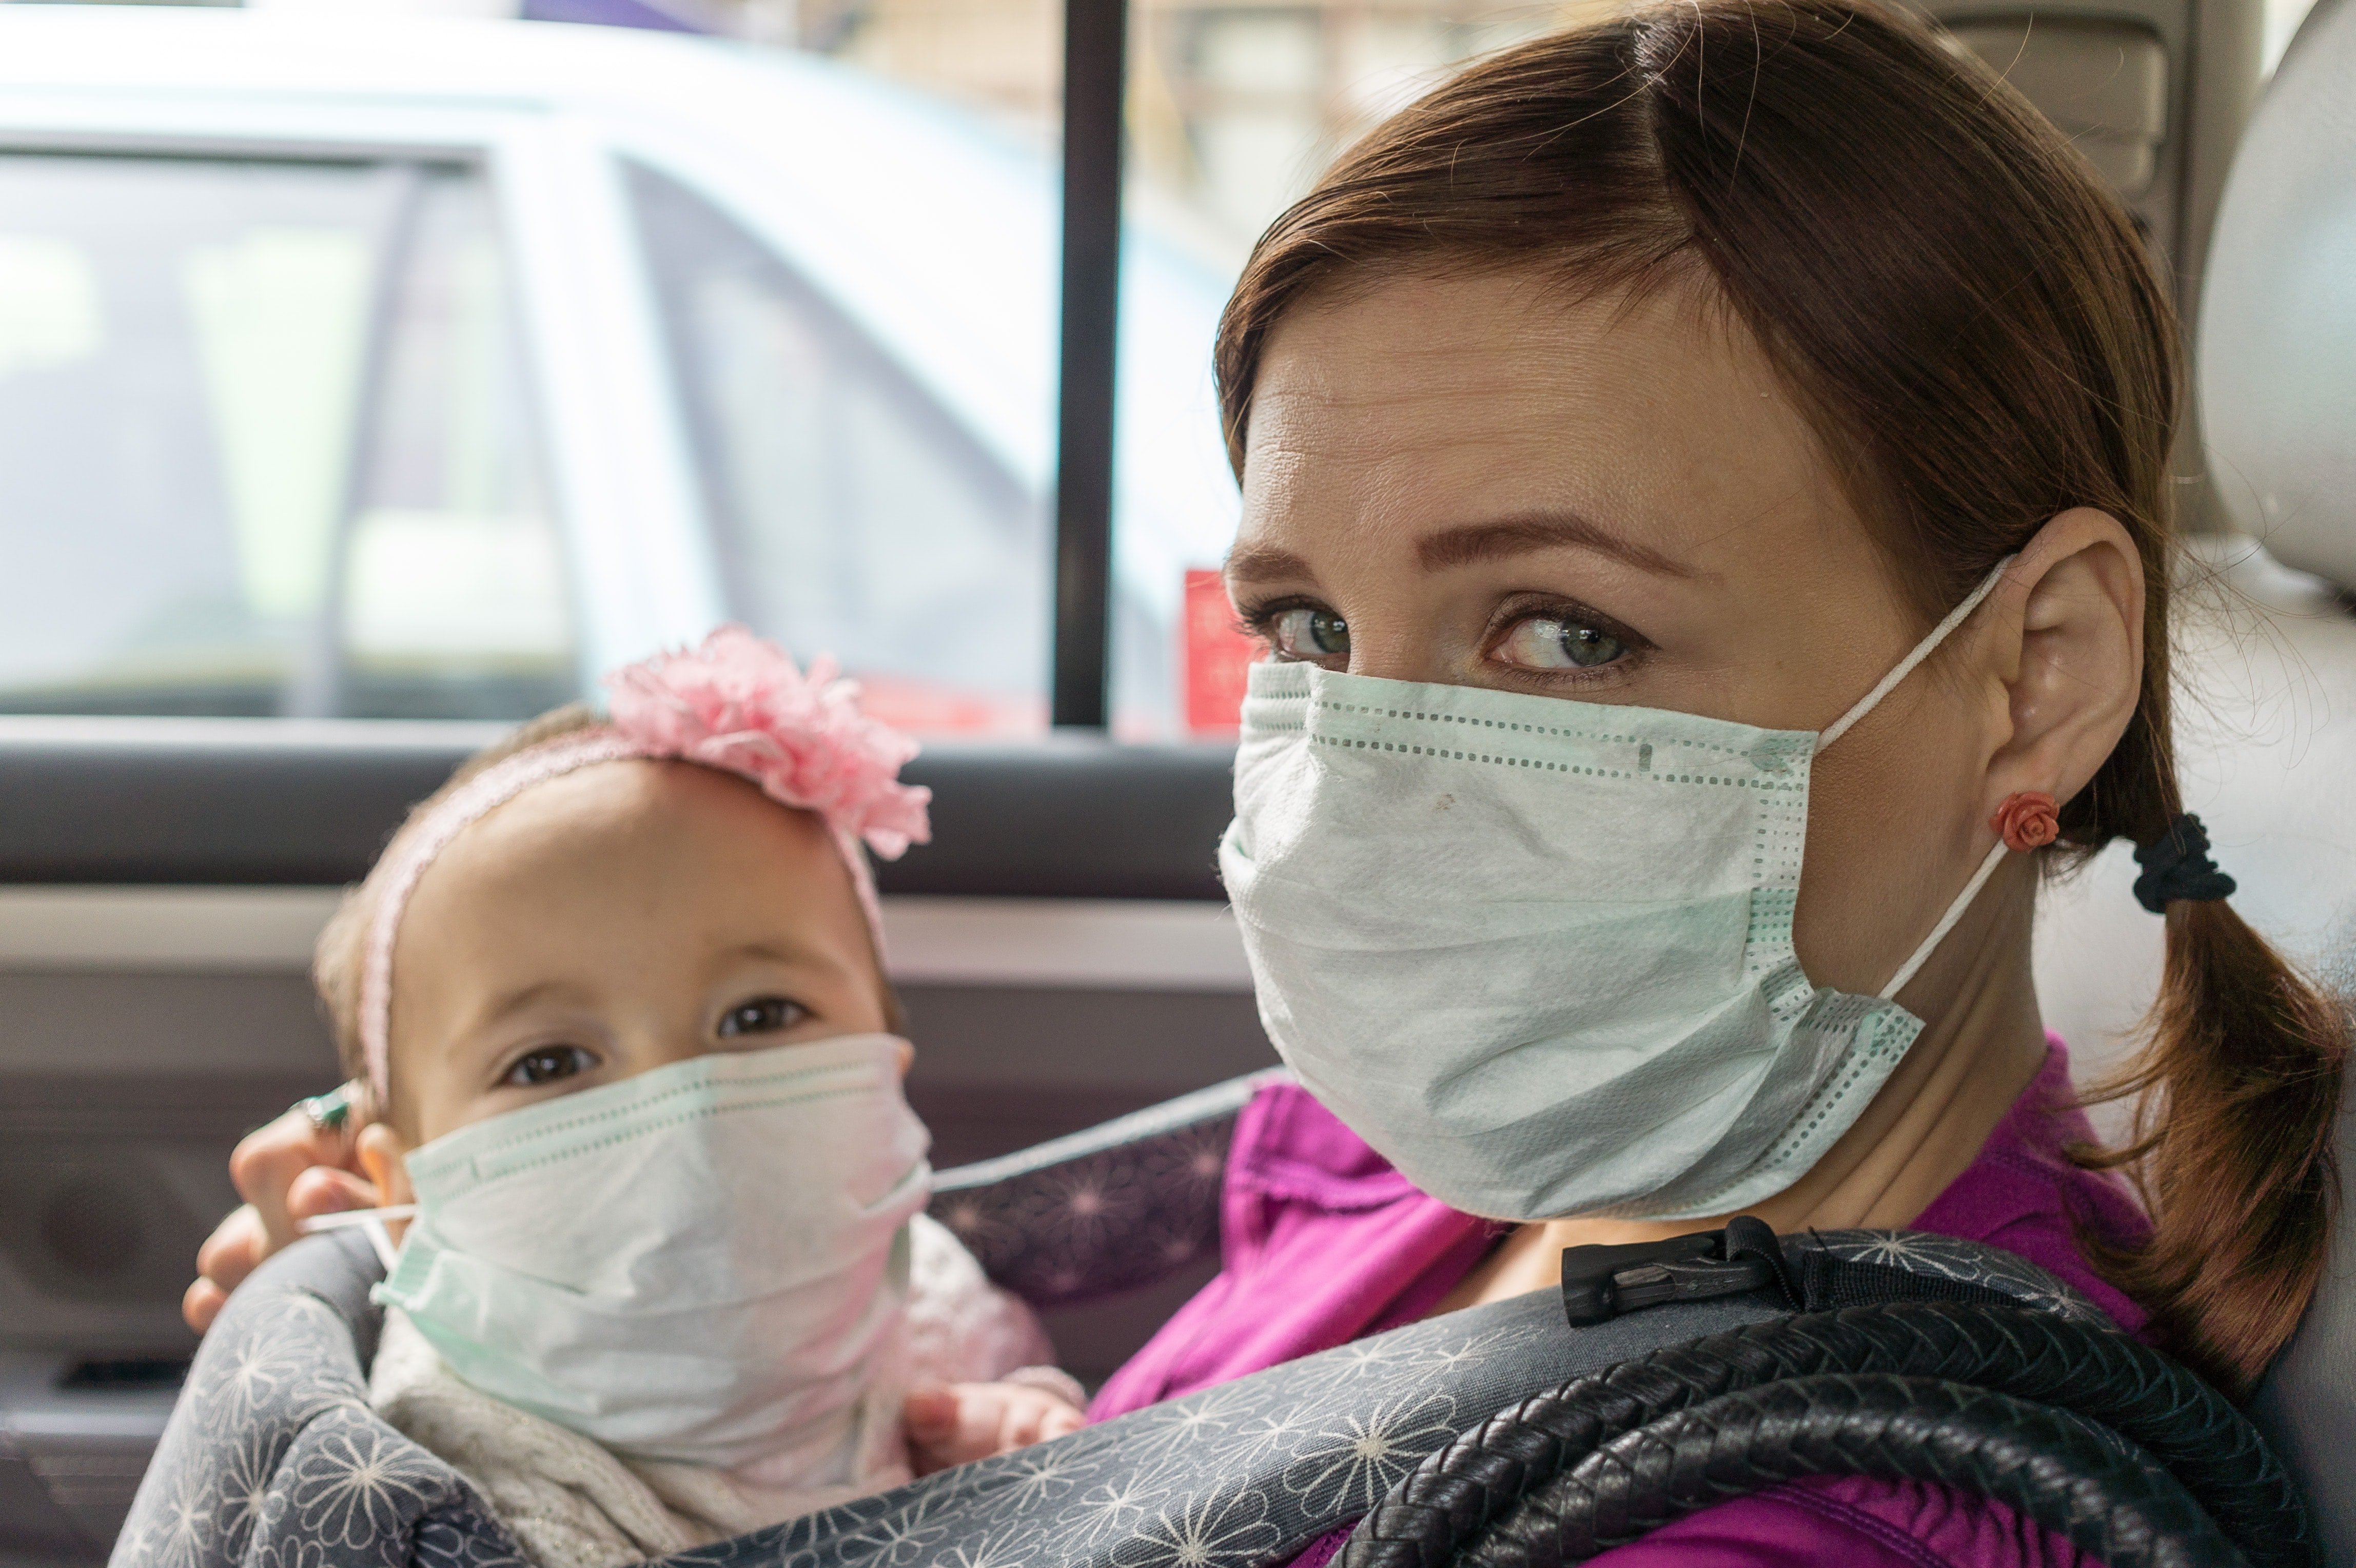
x: 2028, y: 820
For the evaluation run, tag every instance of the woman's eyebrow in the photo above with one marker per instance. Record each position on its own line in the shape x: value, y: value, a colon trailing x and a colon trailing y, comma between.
x: 1541, y: 531
x: 1264, y: 564
x: 787, y: 952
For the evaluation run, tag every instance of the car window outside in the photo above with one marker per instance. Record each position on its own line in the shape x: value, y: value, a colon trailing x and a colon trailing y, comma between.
x: 263, y: 446
x: 454, y: 600
x: 1233, y: 112
x: 853, y: 516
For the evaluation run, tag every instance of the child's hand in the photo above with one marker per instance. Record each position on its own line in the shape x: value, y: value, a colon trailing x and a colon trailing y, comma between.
x: 294, y: 1169
x: 955, y: 1423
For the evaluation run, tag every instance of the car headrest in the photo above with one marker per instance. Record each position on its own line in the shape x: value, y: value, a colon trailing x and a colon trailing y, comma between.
x: 2277, y: 328
x: 2307, y: 1406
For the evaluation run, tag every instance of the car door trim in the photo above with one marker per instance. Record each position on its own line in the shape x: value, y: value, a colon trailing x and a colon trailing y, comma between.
x: 1124, y: 944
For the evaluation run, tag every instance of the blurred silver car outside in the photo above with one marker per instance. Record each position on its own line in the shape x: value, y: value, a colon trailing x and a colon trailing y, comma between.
x: 422, y: 368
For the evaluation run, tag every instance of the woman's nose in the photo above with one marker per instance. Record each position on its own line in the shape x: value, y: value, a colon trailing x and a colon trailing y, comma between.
x: 1401, y: 652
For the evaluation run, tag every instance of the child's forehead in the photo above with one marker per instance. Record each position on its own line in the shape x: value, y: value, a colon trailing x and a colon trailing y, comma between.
x: 673, y: 821
x: 631, y: 864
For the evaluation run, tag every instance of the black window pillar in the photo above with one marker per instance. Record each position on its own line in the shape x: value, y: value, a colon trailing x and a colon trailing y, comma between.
x: 1094, y: 61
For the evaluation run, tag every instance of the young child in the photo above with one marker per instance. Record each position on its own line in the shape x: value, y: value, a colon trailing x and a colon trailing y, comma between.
x: 616, y: 989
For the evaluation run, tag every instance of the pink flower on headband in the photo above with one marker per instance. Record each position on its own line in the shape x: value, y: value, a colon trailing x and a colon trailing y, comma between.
x: 737, y: 702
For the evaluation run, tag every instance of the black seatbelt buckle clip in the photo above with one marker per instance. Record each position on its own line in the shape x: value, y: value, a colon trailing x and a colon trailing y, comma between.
x: 1601, y: 1283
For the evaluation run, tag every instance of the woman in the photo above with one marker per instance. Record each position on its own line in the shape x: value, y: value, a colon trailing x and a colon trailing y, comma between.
x: 1727, y: 439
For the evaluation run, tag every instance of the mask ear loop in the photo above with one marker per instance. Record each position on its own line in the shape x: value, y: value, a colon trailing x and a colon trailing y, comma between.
x: 370, y: 1222
x: 1866, y: 705
x: 1923, y: 650
x: 1947, y: 922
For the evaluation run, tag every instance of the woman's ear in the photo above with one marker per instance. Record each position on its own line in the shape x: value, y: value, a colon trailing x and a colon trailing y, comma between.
x: 385, y: 1158
x: 2069, y: 655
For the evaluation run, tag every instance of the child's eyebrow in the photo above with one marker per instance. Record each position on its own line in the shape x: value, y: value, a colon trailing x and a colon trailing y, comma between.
x: 778, y: 952
x: 513, y: 1002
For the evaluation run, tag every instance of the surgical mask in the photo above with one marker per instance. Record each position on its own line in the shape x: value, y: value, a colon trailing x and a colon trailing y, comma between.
x: 707, y: 1263
x: 1537, y: 952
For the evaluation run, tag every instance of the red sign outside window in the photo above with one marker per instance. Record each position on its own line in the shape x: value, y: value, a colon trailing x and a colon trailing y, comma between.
x: 1218, y: 657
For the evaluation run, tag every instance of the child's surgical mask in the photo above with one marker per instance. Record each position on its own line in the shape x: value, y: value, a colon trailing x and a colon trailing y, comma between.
x: 707, y: 1263
x: 1538, y: 952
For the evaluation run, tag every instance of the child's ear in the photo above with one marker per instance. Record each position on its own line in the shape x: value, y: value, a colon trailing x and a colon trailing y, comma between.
x: 385, y: 1159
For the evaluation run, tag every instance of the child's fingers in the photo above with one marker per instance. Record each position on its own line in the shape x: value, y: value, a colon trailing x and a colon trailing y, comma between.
x: 963, y: 1424
x: 265, y: 1163
x: 233, y: 1250
x: 931, y: 1416
x: 1022, y: 1428
x: 981, y: 1421
x: 1033, y: 1415
x: 930, y: 1412
x: 203, y: 1304
x: 323, y: 1190
x: 965, y: 1421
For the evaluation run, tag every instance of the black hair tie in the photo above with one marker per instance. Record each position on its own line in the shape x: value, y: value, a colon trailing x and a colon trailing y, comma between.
x: 2176, y: 866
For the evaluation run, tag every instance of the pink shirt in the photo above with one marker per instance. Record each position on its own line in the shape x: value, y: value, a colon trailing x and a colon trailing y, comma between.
x: 1324, y: 1242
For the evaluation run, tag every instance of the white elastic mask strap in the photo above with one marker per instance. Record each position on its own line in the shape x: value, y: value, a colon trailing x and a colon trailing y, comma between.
x: 1866, y: 705
x: 1947, y: 921
x: 1923, y: 650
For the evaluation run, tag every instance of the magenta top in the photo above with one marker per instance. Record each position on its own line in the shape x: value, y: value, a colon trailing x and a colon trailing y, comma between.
x: 1324, y: 1242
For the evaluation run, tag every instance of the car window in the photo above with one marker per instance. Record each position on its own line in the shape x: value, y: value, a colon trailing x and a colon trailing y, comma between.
x: 263, y: 445
x: 853, y: 515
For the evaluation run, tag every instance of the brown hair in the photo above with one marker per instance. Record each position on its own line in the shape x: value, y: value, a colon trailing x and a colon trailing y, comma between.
x: 1971, y: 321
x: 343, y: 942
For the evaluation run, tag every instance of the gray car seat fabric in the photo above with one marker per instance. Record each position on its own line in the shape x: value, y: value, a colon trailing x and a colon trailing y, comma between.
x: 1106, y: 1210
x: 274, y: 1460
x: 2277, y: 365
x: 2307, y: 1406
x: 272, y: 1457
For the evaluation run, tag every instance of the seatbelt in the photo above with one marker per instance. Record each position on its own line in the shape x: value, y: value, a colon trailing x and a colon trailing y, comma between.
x: 1879, y: 1370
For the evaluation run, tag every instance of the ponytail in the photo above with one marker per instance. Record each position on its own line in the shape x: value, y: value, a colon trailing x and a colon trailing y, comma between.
x: 2237, y: 1093
x: 2237, y: 1090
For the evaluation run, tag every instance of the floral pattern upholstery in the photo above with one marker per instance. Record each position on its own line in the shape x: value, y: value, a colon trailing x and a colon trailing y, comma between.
x: 1965, y: 1263
x: 1110, y: 1209
x: 274, y: 1458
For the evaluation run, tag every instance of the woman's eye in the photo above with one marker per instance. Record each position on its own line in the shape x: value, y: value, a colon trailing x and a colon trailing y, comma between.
x: 1308, y: 634
x: 547, y: 1065
x: 1557, y: 642
x: 762, y: 1016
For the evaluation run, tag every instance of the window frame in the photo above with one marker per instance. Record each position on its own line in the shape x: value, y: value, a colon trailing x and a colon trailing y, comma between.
x: 1096, y: 62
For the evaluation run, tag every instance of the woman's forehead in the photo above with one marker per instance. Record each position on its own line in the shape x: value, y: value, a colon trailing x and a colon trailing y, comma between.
x: 1428, y: 405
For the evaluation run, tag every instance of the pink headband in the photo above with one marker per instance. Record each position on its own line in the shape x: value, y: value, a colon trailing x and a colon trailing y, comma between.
x: 736, y: 703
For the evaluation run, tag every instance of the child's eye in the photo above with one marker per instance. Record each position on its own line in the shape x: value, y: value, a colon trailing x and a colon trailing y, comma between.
x: 762, y: 1016
x: 547, y: 1065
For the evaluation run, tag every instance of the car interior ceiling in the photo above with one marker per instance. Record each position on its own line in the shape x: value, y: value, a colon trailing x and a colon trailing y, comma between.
x: 124, y: 1085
